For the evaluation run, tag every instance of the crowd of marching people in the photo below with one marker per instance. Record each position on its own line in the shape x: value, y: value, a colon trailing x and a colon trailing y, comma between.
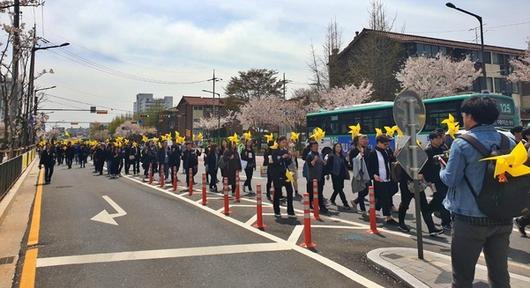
x: 361, y: 166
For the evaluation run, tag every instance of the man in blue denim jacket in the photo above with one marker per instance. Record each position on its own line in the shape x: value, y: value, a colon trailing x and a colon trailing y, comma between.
x: 473, y: 232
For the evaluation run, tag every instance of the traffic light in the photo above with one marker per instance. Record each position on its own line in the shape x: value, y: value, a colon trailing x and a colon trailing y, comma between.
x: 144, y: 115
x: 92, y: 109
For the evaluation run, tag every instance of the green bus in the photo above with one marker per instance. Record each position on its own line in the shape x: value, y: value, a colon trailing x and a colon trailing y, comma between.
x: 379, y: 114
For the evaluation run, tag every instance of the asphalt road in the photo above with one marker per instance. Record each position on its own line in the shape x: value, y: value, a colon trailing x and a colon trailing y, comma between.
x: 167, y: 239
x: 162, y: 241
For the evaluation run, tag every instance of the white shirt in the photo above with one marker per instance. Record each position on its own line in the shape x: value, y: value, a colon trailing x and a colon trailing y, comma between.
x: 382, y: 167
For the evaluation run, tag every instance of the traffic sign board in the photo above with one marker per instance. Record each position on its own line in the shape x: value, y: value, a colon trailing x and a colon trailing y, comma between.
x: 401, y: 111
x: 404, y: 158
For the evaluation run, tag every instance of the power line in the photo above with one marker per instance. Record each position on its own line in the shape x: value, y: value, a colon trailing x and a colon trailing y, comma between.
x: 86, y: 103
x: 115, y: 72
x: 466, y: 30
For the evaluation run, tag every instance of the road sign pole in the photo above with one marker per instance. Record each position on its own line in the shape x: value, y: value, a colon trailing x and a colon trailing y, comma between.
x: 413, y: 146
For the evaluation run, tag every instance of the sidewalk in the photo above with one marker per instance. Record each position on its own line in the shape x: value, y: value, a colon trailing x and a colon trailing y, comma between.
x: 13, y: 222
x: 433, y: 271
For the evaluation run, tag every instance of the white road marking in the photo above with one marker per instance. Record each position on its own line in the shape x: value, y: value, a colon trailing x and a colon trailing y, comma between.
x: 106, y: 217
x: 327, y: 262
x: 251, y: 220
x: 160, y: 254
x: 295, y: 234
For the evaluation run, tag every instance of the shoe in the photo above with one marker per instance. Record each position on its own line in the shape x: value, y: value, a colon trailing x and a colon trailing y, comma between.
x: 404, y: 228
x: 298, y: 197
x: 250, y: 194
x: 292, y: 216
x: 447, y: 228
x: 278, y: 215
x: 392, y: 222
x: 324, y: 211
x: 245, y: 189
x: 333, y: 203
x: 436, y: 232
x: 520, y: 227
x: 346, y: 206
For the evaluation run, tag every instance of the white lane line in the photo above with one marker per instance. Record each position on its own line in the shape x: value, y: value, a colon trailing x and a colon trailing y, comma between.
x: 327, y: 262
x: 272, y: 214
x: 295, y: 234
x: 160, y: 254
x: 252, y: 220
x: 243, y: 205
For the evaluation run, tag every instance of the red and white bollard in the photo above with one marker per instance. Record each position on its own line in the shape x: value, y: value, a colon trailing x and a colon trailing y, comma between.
x: 191, y: 182
x: 308, y: 242
x: 204, y: 201
x: 226, y: 200
x: 373, y: 221
x: 162, y: 176
x: 238, y: 186
x: 259, y: 209
x: 174, y: 172
x: 150, y: 173
x: 316, y: 207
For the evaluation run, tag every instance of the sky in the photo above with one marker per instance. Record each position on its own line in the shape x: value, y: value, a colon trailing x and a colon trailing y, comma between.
x: 163, y: 45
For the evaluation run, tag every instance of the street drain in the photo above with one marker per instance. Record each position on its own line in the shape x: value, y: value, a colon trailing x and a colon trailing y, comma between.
x: 7, y: 260
x: 62, y: 187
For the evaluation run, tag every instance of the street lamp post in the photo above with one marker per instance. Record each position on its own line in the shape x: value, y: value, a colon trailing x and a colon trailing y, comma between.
x: 31, y: 92
x: 479, y: 18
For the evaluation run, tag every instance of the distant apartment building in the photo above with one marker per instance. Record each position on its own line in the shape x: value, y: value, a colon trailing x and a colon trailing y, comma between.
x: 343, y: 63
x: 144, y: 101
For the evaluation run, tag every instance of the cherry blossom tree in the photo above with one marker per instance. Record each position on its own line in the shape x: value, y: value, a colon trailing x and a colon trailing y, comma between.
x: 346, y: 96
x: 261, y: 112
x: 521, y: 67
x: 438, y: 76
x: 128, y: 129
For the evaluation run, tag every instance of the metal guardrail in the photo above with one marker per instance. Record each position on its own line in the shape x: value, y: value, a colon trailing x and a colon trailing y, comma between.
x: 11, y: 169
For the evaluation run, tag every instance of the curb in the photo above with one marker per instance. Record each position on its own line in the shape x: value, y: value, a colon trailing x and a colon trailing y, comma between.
x: 408, y: 279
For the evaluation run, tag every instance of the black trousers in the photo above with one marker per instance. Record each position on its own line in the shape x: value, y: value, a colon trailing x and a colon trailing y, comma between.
x: 213, y: 178
x: 383, y: 196
x: 99, y: 166
x: 360, y: 199
x: 524, y: 220
x: 406, y: 197
x: 48, y: 172
x: 436, y: 203
x: 338, y: 189
x: 309, y: 187
x: 69, y: 161
x: 269, y: 182
x: 127, y: 165
x: 188, y: 176
x: 279, y: 183
x: 136, y: 166
x: 248, y: 174
x: 468, y: 241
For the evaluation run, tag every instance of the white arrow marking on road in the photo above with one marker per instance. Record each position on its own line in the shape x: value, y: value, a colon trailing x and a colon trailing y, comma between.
x: 106, y: 217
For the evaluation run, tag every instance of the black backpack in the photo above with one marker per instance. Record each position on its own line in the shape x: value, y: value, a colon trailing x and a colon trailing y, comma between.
x: 499, y: 201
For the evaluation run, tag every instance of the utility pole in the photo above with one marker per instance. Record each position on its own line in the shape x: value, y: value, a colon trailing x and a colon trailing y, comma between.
x: 28, y: 111
x: 14, y: 69
x: 218, y: 110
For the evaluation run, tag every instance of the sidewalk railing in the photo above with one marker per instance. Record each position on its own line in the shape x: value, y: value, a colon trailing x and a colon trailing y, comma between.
x: 12, y: 169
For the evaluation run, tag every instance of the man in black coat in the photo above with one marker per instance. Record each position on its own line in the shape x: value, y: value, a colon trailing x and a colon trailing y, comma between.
x: 47, y: 158
x: 70, y: 154
x: 378, y: 163
x: 190, y: 160
x: 100, y: 155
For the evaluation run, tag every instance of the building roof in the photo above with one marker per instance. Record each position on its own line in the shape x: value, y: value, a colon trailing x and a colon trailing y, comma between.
x: 408, y: 38
x: 200, y: 101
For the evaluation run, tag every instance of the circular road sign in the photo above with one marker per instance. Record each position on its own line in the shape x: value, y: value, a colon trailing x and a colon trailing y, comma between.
x: 401, y: 110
